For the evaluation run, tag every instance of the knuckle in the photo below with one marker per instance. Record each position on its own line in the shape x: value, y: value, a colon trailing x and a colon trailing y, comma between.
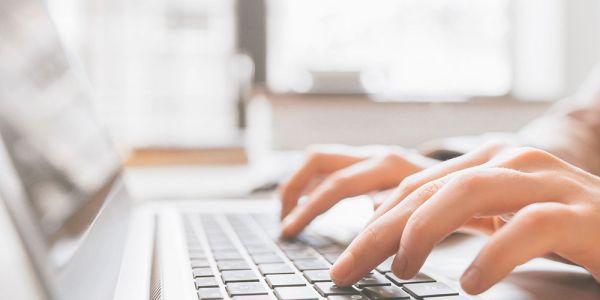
x: 541, y: 215
x: 337, y: 180
x: 495, y: 146
x: 416, y: 226
x: 409, y: 184
x: 392, y: 158
x: 532, y: 154
x: 370, y: 236
x: 427, y: 190
x: 468, y: 180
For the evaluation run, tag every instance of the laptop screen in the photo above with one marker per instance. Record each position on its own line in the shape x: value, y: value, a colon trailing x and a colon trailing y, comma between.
x: 62, y: 155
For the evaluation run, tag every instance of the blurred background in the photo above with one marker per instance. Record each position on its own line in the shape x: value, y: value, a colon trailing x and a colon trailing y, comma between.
x: 283, y: 74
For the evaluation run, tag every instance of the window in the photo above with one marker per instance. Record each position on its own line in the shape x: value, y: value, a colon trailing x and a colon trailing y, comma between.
x: 159, y: 68
x: 395, y: 48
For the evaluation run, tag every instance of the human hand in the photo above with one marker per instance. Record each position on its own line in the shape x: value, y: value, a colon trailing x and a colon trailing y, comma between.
x: 330, y: 174
x: 556, y: 209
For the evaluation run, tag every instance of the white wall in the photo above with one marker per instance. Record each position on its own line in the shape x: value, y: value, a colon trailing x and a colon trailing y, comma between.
x: 296, y: 123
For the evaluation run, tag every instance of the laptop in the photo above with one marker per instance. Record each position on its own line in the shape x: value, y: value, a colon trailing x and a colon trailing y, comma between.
x: 86, y: 238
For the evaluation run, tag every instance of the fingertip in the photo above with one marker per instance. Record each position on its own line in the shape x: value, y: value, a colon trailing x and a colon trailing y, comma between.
x: 342, y: 269
x: 288, y: 228
x: 471, y: 281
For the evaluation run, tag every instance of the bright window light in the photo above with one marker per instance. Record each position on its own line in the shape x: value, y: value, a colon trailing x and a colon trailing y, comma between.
x: 399, y: 48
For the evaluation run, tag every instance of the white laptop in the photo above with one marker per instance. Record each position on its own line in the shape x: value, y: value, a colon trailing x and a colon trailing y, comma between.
x: 86, y: 239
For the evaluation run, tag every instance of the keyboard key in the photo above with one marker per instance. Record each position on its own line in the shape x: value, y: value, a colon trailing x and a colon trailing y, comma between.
x: 330, y: 289
x: 266, y: 258
x: 246, y: 288
x: 331, y: 257
x: 256, y: 249
x: 275, y: 269
x: 315, y: 240
x: 348, y: 297
x: 385, y: 292
x: 310, y: 264
x: 431, y: 289
x: 232, y: 265
x: 221, y: 247
x: 373, y: 279
x: 202, y: 272
x: 333, y: 248
x: 199, y: 263
x: 419, y: 278
x: 277, y: 280
x: 296, y: 293
x: 317, y: 275
x: 204, y: 282
x: 300, y: 254
x: 291, y: 245
x: 197, y: 255
x: 253, y: 297
x: 239, y: 276
x: 210, y: 293
x: 386, y: 265
x: 227, y: 255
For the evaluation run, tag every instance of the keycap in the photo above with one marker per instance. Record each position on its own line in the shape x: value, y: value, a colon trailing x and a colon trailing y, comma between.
x: 296, y: 293
x: 253, y: 297
x: 202, y: 272
x: 385, y: 292
x: 209, y: 293
x: 291, y: 245
x: 314, y: 240
x: 204, y: 282
x: 317, y: 275
x: 197, y: 255
x: 199, y: 263
x: 333, y: 248
x: 419, y: 278
x: 220, y: 247
x: 331, y: 257
x: 277, y: 280
x: 232, y: 265
x: 266, y: 258
x: 386, y: 265
x: 299, y: 254
x: 239, y: 276
x: 275, y: 269
x: 310, y: 264
x: 330, y: 289
x: 227, y: 255
x: 373, y: 279
x: 256, y: 249
x: 245, y: 288
x: 431, y: 289
x: 348, y: 297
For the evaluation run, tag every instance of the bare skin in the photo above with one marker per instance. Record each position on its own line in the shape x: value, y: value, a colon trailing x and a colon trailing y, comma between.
x: 555, y: 208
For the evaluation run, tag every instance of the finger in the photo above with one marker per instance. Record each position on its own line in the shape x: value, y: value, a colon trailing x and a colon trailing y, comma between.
x: 411, y: 183
x: 360, y: 178
x: 379, y: 240
x: 316, y: 164
x: 470, y: 193
x: 535, y: 231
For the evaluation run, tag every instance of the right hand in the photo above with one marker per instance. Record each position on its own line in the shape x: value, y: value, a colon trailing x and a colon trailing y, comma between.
x: 330, y: 174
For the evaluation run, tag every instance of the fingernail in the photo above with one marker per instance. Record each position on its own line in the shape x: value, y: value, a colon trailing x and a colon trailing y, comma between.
x: 471, y: 280
x: 342, y: 268
x: 400, y: 263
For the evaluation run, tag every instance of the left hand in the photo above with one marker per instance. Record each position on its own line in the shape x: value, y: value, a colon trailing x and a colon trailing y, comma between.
x: 556, y: 209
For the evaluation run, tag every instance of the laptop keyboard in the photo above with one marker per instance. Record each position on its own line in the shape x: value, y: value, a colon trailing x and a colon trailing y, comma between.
x: 240, y: 256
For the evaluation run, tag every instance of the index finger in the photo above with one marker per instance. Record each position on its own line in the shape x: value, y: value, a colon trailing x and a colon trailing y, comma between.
x: 316, y: 163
